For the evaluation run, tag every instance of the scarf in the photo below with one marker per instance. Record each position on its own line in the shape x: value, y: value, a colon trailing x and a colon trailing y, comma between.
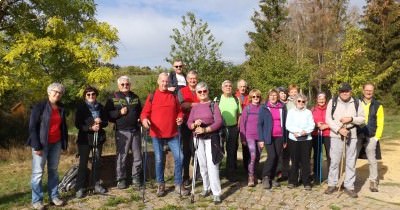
x: 94, y: 108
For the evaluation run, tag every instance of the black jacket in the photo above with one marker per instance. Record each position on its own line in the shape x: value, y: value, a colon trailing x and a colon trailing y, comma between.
x: 84, y: 120
x: 114, y: 104
x: 39, y: 123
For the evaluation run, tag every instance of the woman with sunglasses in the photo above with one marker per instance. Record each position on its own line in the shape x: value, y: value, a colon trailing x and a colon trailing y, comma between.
x: 205, y: 120
x: 248, y: 132
x: 90, y: 119
x: 300, y: 124
x: 272, y: 132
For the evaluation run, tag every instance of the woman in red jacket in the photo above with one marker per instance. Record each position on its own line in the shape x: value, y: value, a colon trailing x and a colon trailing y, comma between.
x: 321, y: 133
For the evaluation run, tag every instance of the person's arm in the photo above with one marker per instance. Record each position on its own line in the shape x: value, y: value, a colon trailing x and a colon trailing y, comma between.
x: 359, y: 119
x: 217, y: 120
x: 103, y: 117
x: 34, y: 127
x: 309, y: 122
x: 146, y: 112
x: 291, y: 125
x: 112, y: 111
x: 334, y: 125
x: 380, y: 118
x: 81, y: 123
x: 260, y: 125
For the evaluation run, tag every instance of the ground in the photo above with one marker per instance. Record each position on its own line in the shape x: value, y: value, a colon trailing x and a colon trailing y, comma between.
x: 239, y: 196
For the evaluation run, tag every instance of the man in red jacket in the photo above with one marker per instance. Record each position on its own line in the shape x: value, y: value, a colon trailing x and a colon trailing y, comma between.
x: 162, y: 113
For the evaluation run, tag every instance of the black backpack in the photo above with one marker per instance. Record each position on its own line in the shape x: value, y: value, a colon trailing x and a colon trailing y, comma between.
x: 334, y: 104
x: 68, y: 181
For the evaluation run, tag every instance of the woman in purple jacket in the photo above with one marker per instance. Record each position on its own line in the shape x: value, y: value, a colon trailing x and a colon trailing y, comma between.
x: 205, y: 120
x: 248, y: 132
x: 272, y: 133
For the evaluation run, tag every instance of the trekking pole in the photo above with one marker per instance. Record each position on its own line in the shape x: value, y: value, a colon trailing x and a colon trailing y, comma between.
x: 319, y: 161
x: 144, y: 160
x: 179, y: 155
x: 94, y: 161
x: 194, y: 168
x: 342, y: 172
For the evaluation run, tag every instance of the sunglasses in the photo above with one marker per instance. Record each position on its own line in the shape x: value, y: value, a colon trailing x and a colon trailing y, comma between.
x: 300, y: 101
x: 125, y: 84
x: 178, y: 66
x: 90, y: 94
x: 202, y: 91
x: 256, y: 96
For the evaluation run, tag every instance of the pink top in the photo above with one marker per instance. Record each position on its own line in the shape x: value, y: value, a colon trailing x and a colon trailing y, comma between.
x: 275, y: 110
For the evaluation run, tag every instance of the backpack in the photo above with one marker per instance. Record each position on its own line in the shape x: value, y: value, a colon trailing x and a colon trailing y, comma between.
x: 334, y: 104
x: 68, y: 181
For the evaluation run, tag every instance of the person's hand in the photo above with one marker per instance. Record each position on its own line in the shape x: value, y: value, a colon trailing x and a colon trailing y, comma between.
x: 324, y: 126
x: 146, y: 123
x: 200, y: 130
x: 97, y: 120
x: 193, y: 104
x: 284, y: 145
x: 95, y: 127
x: 172, y: 89
x: 343, y: 132
x: 38, y: 152
x: 261, y: 144
x: 345, y: 120
x: 179, y: 121
x: 303, y: 133
x: 296, y: 134
x: 197, y: 123
x: 124, y: 110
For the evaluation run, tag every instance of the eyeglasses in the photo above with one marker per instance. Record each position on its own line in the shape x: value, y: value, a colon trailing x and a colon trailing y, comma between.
x: 58, y: 92
x: 300, y: 101
x: 125, y: 84
x: 178, y: 66
x: 256, y: 96
x: 90, y: 94
x: 202, y: 91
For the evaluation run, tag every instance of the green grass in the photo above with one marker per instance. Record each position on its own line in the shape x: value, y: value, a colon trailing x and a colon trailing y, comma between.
x: 114, y: 201
x: 391, y: 129
x: 334, y: 207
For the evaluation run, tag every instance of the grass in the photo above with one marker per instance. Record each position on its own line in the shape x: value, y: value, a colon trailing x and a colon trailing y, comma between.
x: 114, y: 201
x: 334, y: 207
x: 391, y: 128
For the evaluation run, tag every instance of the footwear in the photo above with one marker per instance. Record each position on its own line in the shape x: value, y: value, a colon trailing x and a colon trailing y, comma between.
x: 307, y: 187
x: 121, y: 184
x: 373, y: 186
x: 135, y: 181
x: 351, y: 193
x: 161, y: 190
x: 217, y: 199
x: 181, y: 190
x: 290, y: 186
x: 187, y: 182
x: 57, y: 202
x: 266, y: 183
x: 79, y: 193
x: 250, y: 182
x: 99, y: 189
x: 330, y: 190
x: 205, y: 193
x: 276, y: 183
x: 232, y: 178
x: 282, y: 179
x: 38, y: 205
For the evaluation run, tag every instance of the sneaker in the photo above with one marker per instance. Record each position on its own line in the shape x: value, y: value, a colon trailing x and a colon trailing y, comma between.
x: 181, y: 190
x: 135, y: 181
x: 350, y: 193
x: 57, y: 202
x: 266, y: 183
x: 79, y: 193
x: 290, y: 186
x: 161, y: 190
x: 217, y: 199
x: 330, y: 190
x: 250, y: 182
x: 276, y: 183
x: 38, y: 205
x: 99, y: 189
x: 121, y: 184
x: 373, y: 186
x: 307, y: 187
x: 205, y: 193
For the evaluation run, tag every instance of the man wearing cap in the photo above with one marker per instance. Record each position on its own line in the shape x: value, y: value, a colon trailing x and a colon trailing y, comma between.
x: 369, y: 135
x: 343, y: 114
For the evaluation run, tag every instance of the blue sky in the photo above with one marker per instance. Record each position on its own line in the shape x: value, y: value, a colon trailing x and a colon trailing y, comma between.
x: 144, y: 26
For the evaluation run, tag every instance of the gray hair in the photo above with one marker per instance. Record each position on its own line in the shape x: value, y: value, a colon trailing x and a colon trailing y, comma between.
x: 56, y: 85
x: 241, y: 80
x: 300, y: 96
x: 165, y: 74
x: 201, y: 85
x: 321, y: 94
x: 123, y: 78
x: 191, y: 72
x: 225, y: 82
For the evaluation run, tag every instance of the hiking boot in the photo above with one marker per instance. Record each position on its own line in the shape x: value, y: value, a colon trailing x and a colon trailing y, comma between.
x: 205, y: 193
x: 350, y: 193
x: 121, y: 184
x: 79, y: 193
x: 266, y: 183
x: 373, y: 186
x: 217, y: 199
x: 161, y: 190
x: 250, y: 182
x: 135, y: 181
x: 276, y: 183
x: 38, y: 205
x: 307, y: 187
x: 99, y: 189
x: 181, y: 190
x: 330, y: 190
x: 290, y: 186
x: 57, y: 202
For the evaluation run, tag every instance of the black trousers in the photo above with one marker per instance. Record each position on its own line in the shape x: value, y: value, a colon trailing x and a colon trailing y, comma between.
x: 188, y: 151
x: 300, y: 153
x: 326, y: 140
x: 84, y: 151
x: 274, y: 152
x: 231, y: 139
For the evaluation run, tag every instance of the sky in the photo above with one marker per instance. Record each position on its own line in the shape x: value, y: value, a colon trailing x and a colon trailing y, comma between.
x: 145, y: 26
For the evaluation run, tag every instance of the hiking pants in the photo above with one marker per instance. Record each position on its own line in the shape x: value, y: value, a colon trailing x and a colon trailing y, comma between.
x: 125, y: 140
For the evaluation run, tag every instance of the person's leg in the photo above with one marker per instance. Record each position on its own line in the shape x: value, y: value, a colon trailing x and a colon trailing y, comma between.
x: 246, y: 157
x: 213, y: 170
x: 315, y: 151
x: 174, y: 145
x: 232, y: 147
x: 83, y: 151
x: 202, y: 162
x: 186, y: 149
x: 53, y: 158
x: 327, y: 144
x: 251, y: 146
x: 336, y: 156
x: 137, y: 156
x: 159, y: 159
x: 122, y: 147
x: 305, y: 154
x: 98, y: 164
x: 351, y: 157
x: 370, y: 150
x: 278, y: 145
x: 295, y: 158
x: 38, y: 162
x: 271, y: 156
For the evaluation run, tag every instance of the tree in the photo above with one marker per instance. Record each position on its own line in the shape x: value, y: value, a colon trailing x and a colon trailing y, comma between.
x: 46, y: 41
x: 197, y: 47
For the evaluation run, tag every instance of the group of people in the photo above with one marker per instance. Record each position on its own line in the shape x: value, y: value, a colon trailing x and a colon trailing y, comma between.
x: 180, y: 114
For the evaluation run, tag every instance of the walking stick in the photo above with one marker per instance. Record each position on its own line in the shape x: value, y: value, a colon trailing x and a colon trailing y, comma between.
x: 179, y: 155
x: 342, y: 172
x: 94, y: 159
x: 319, y: 160
x: 144, y: 160
x: 194, y: 168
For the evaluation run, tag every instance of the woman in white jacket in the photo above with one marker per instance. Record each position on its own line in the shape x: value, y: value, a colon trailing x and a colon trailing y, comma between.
x: 300, y: 124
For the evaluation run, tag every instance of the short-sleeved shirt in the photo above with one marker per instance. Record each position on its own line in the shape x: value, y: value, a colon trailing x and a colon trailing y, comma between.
x: 230, y: 110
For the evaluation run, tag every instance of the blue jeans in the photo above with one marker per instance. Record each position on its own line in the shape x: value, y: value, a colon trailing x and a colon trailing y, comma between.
x: 175, y: 147
x: 51, y: 154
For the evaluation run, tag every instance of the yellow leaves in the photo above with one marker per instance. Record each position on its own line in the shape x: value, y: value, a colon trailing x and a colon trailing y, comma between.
x: 100, y: 77
x: 55, y: 26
